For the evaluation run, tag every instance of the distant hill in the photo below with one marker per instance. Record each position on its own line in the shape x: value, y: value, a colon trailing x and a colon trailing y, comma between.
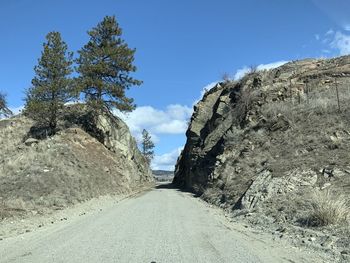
x: 163, y: 172
x: 162, y: 175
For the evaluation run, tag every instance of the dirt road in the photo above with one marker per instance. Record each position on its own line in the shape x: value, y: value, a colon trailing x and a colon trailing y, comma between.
x: 162, y: 225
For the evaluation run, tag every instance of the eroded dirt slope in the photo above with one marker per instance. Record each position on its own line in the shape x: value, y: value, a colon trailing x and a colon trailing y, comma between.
x: 85, y: 159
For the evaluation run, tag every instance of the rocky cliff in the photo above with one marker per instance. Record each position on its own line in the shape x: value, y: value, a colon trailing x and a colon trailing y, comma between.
x: 88, y: 157
x: 265, y: 143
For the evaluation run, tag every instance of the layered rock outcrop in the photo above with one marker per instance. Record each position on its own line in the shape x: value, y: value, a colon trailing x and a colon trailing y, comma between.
x: 271, y: 138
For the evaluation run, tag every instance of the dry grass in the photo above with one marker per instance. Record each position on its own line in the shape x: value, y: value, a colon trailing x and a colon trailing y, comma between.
x: 316, y: 102
x: 328, y: 208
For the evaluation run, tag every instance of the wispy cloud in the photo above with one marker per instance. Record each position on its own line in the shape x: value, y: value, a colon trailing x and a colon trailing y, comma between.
x: 341, y: 42
x: 244, y: 70
x: 337, y: 41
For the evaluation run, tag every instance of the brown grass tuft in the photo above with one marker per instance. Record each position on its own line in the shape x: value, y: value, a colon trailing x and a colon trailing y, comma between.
x: 328, y: 208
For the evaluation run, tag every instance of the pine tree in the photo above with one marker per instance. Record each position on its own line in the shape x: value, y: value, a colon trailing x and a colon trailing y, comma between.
x: 4, y: 110
x: 104, y: 65
x: 51, y: 86
x: 147, y: 146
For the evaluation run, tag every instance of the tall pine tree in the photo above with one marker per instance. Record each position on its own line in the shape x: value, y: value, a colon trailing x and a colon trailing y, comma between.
x: 104, y: 65
x: 147, y: 146
x: 51, y: 86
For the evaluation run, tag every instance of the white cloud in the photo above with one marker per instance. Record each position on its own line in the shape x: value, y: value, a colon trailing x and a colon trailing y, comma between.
x: 317, y: 37
x: 178, y: 112
x: 341, y: 42
x: 166, y: 161
x: 337, y: 41
x: 208, y: 87
x: 205, y: 89
x: 271, y: 65
x: 242, y: 71
x: 17, y: 110
x: 172, y: 120
x: 172, y: 127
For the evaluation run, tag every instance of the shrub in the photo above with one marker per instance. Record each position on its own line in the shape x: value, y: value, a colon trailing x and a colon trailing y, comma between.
x: 328, y: 208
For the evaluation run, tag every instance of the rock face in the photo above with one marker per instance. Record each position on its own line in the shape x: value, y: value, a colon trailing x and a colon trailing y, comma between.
x: 260, y: 142
x: 87, y: 158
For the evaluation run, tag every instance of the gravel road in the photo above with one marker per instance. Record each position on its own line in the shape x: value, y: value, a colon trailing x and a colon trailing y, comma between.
x: 161, y: 225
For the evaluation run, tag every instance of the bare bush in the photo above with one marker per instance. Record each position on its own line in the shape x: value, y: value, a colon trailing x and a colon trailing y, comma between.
x: 226, y: 77
x: 252, y: 69
x: 328, y: 208
x: 244, y: 104
x: 4, y: 110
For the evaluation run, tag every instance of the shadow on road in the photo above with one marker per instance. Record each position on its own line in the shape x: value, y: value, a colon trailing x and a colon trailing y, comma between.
x: 171, y: 186
x: 166, y: 186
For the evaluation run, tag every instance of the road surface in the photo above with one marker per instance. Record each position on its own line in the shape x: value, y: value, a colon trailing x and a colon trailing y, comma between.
x: 161, y: 225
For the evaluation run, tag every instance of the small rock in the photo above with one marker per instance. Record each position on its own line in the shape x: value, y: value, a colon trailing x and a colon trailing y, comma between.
x: 31, y: 141
x: 312, y: 239
x: 345, y: 255
x: 20, y: 147
x: 281, y: 229
x: 326, y: 185
x: 333, y: 138
x: 338, y: 173
x: 27, y: 230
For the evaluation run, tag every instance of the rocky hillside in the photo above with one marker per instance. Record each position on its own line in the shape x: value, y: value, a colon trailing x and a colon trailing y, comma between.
x: 89, y: 157
x: 267, y: 144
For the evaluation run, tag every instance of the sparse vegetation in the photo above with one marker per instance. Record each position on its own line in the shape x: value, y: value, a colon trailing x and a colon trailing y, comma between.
x: 318, y: 102
x: 328, y: 209
x: 252, y: 69
x: 226, y: 77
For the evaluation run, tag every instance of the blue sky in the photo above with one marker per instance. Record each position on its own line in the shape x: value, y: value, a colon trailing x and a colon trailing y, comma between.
x: 182, y: 46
